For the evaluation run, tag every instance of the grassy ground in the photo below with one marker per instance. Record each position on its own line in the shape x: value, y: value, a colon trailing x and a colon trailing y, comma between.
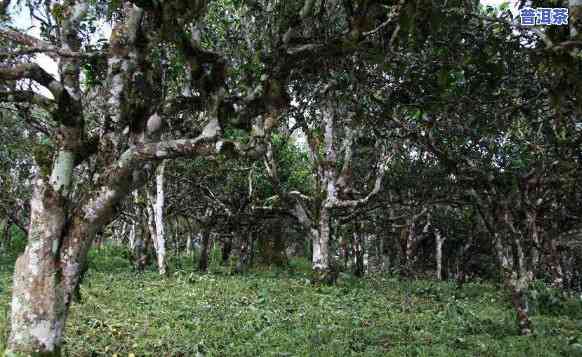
x: 278, y: 313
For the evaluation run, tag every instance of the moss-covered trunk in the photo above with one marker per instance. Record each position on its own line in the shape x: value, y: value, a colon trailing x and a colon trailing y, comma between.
x: 47, y: 274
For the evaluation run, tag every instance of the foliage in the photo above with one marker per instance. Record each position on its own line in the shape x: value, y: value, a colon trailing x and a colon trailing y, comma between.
x: 281, y: 313
x: 110, y: 258
x: 551, y: 301
x: 14, y: 249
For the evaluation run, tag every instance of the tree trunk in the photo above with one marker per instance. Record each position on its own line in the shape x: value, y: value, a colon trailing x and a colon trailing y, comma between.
x: 5, y: 244
x: 150, y: 216
x: 440, y: 240
x: 159, y: 239
x: 271, y: 245
x: 321, y: 238
x: 243, y: 251
x: 251, y: 251
x: 378, y: 242
x: 409, y: 250
x: 535, y: 242
x: 279, y: 246
x: 462, y: 262
x: 520, y: 304
x: 197, y: 241
x: 358, y: 248
x: 345, y: 251
x: 204, y: 251
x: 396, y: 254
x: 48, y: 272
x: 178, y: 233
x: 131, y: 238
x: 516, y: 279
x: 383, y: 258
x: 188, y: 244
x: 140, y: 249
x: 554, y: 264
x: 38, y: 298
x: 226, y: 250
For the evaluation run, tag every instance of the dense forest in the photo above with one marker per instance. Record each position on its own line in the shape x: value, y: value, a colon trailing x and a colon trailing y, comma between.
x: 302, y: 177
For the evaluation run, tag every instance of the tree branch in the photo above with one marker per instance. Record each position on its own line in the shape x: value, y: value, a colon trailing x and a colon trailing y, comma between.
x: 36, y: 73
x: 20, y: 38
x: 51, y: 51
x: 382, y: 167
x: 27, y: 96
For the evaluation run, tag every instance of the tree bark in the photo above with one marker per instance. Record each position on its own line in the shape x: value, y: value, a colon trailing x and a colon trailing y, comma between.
x: 462, y: 262
x: 358, y: 248
x: 138, y: 235
x: 48, y: 272
x: 141, y: 247
x: 320, y: 259
x: 156, y: 219
x: 6, y: 237
x: 131, y: 237
x: 226, y: 250
x: 516, y: 279
x: 410, y: 245
x: 188, y: 244
x: 204, y: 251
x: 554, y: 264
x: 439, y: 240
x: 535, y: 241
x: 39, y: 308
x: 243, y: 252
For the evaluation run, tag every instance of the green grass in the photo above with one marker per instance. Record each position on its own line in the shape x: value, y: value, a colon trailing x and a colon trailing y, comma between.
x: 278, y: 313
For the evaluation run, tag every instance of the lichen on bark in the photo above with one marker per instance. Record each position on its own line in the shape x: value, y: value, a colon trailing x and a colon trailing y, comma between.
x: 43, y: 156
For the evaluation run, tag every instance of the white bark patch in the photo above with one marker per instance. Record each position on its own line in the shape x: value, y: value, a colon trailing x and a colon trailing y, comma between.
x: 440, y: 240
x: 112, y: 61
x: 155, y: 210
x: 94, y: 208
x: 116, y: 89
x: 321, y: 242
x: 71, y: 269
x: 154, y: 123
x: 211, y: 129
x: 16, y: 305
x: 132, y: 236
x: 219, y: 145
x: 36, y: 203
x: 55, y: 247
x: 44, y: 332
x: 34, y: 260
x: 62, y: 173
x: 73, y: 92
x: 159, y: 219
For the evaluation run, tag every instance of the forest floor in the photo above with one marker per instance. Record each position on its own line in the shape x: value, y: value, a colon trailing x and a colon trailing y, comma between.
x: 279, y: 313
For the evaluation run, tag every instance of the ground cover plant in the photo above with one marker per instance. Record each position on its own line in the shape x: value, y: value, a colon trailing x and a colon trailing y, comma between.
x: 278, y: 312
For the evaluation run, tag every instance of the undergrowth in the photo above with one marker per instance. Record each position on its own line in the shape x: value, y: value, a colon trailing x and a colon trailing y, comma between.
x: 277, y: 312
